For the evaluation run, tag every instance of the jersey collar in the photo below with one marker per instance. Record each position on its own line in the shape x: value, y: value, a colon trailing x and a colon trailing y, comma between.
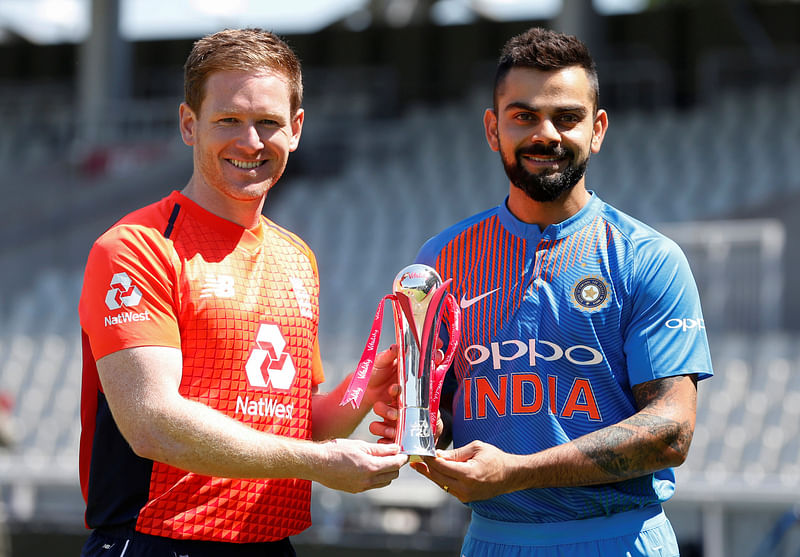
x: 249, y: 239
x: 531, y: 232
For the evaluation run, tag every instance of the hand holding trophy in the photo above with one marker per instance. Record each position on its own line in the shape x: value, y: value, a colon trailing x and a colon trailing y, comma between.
x: 419, y: 302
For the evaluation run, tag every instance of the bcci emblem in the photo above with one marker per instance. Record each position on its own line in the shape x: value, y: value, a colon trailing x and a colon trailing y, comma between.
x: 590, y: 293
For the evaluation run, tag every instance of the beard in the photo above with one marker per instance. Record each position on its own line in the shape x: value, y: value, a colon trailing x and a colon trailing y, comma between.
x: 544, y: 187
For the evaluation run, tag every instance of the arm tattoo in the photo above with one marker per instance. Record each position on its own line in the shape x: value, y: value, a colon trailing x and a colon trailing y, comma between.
x: 636, y: 446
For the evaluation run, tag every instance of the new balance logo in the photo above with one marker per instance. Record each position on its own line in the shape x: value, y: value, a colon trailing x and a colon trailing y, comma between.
x: 465, y: 303
x: 220, y: 286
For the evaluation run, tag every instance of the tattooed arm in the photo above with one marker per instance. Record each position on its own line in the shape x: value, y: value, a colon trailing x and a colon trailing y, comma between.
x: 656, y: 437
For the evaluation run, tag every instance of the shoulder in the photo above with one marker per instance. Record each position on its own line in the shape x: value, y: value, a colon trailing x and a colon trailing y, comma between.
x: 144, y: 227
x: 655, y: 263
x: 644, y: 240
x: 290, y: 239
x: 434, y: 245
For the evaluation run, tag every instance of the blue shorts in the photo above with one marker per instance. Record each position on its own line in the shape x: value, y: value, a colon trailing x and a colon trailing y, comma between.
x: 643, y: 532
x: 124, y: 542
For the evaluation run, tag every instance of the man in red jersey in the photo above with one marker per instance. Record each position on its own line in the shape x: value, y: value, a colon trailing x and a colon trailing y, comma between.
x: 202, y: 428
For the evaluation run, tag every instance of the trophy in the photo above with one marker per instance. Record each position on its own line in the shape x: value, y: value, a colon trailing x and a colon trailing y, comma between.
x: 419, y: 302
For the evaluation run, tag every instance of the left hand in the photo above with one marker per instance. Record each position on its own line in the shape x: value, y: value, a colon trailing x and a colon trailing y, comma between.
x: 382, y: 386
x: 474, y: 472
x: 382, y: 393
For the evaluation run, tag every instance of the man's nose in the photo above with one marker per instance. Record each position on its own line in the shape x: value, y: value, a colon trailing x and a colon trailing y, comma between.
x: 545, y: 132
x: 251, y: 138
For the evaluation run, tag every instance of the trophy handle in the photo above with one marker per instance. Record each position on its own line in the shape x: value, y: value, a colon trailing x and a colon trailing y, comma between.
x: 437, y: 377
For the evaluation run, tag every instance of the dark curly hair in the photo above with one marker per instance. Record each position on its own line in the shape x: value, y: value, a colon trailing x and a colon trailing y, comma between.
x: 546, y: 50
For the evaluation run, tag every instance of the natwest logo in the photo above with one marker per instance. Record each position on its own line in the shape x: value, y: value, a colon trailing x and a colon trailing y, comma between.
x: 122, y: 293
x: 268, y: 364
x: 509, y: 350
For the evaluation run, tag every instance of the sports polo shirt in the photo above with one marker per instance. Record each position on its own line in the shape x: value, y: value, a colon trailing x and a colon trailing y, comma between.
x: 557, y: 326
x: 242, y: 306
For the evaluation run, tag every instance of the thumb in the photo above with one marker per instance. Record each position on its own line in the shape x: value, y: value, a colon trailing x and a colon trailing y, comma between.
x: 460, y: 454
x: 386, y: 357
x: 382, y: 449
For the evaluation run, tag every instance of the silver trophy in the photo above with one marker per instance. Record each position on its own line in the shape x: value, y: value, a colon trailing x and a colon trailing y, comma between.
x: 419, y: 302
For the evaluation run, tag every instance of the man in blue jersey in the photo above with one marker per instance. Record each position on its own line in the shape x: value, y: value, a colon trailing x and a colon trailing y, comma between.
x: 574, y: 390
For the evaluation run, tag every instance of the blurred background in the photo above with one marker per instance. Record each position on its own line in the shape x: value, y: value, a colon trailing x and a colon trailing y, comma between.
x: 703, y: 144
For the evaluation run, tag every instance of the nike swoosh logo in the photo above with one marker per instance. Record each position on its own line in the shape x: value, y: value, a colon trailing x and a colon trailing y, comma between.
x: 466, y: 303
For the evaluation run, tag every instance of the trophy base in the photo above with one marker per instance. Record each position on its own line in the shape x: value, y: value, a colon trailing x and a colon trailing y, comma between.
x: 416, y: 437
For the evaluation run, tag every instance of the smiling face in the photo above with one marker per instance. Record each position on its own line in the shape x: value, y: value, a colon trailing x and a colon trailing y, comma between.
x: 242, y: 137
x: 545, y: 126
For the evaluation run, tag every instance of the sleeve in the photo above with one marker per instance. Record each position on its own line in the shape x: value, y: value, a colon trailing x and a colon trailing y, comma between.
x: 666, y: 335
x: 429, y: 252
x: 317, y: 372
x: 129, y: 292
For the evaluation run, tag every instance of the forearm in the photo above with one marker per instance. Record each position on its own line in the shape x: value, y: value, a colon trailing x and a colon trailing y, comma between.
x: 330, y: 420
x: 194, y: 437
x: 639, y: 445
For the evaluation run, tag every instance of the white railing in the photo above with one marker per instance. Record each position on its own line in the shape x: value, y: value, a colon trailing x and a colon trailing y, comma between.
x: 738, y: 266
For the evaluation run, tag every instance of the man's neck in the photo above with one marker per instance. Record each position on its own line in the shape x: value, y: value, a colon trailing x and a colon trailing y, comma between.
x: 246, y: 214
x: 544, y: 214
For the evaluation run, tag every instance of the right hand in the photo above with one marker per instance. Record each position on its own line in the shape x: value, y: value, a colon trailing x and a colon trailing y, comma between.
x: 386, y: 428
x: 354, y: 466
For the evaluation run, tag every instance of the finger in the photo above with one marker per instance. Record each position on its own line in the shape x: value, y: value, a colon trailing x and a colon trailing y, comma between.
x: 383, y: 430
x: 439, y: 478
x: 382, y: 480
x: 388, y: 449
x: 445, y: 454
x: 420, y: 467
x: 460, y: 454
x: 386, y: 357
x: 390, y: 463
x: 447, y: 468
x: 385, y: 411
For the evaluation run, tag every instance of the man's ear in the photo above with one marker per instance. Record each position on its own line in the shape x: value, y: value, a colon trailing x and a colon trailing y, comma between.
x: 187, y: 122
x: 599, y: 130
x: 490, y: 127
x: 297, y: 128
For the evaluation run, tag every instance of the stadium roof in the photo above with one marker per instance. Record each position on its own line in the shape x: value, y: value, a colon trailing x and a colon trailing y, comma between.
x: 67, y: 21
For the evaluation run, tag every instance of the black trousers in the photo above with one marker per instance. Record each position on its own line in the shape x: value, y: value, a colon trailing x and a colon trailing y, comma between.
x: 125, y: 542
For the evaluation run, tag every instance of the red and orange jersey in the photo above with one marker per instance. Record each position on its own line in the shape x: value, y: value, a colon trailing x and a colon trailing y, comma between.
x: 242, y: 306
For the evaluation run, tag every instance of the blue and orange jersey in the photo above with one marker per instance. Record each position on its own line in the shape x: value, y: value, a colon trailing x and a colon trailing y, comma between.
x: 242, y: 306
x: 557, y: 326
